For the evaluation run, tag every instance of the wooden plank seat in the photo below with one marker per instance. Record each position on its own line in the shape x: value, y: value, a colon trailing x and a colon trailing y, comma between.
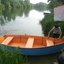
x: 29, y: 43
x: 49, y: 42
x: 7, y: 40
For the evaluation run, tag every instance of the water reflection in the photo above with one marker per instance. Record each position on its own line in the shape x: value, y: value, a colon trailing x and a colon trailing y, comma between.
x: 36, y: 15
x: 23, y: 24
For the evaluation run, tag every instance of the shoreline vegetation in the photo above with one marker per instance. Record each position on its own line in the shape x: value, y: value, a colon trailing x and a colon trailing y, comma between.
x: 11, y: 57
x: 48, y: 22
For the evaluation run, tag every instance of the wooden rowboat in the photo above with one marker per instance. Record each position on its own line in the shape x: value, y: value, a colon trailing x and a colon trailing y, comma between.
x: 33, y: 45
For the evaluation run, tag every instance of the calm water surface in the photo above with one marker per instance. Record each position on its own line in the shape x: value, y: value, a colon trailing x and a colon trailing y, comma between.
x: 24, y: 25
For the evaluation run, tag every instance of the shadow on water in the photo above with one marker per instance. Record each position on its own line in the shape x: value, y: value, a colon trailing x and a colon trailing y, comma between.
x: 47, y: 59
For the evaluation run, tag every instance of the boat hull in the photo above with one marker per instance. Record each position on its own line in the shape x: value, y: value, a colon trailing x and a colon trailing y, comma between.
x: 37, y: 51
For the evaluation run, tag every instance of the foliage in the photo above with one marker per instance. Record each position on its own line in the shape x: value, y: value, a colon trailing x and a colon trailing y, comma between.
x: 9, y: 9
x: 54, y: 3
x: 48, y: 22
x: 40, y: 6
x: 1, y: 8
x: 9, y: 57
x: 15, y: 3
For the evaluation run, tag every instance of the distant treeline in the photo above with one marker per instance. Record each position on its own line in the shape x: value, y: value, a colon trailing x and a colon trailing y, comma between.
x: 40, y: 6
x: 9, y: 9
x: 13, y: 4
x: 23, y: 4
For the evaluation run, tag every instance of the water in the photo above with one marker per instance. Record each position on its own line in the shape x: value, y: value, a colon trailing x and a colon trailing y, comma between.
x: 24, y: 25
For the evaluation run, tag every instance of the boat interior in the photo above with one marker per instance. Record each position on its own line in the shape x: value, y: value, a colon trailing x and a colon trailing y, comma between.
x: 26, y: 41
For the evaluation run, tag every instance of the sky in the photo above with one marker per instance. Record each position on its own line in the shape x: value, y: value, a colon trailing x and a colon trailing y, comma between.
x: 37, y: 1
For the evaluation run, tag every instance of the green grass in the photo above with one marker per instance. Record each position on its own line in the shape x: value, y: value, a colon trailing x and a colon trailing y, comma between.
x: 9, y: 57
